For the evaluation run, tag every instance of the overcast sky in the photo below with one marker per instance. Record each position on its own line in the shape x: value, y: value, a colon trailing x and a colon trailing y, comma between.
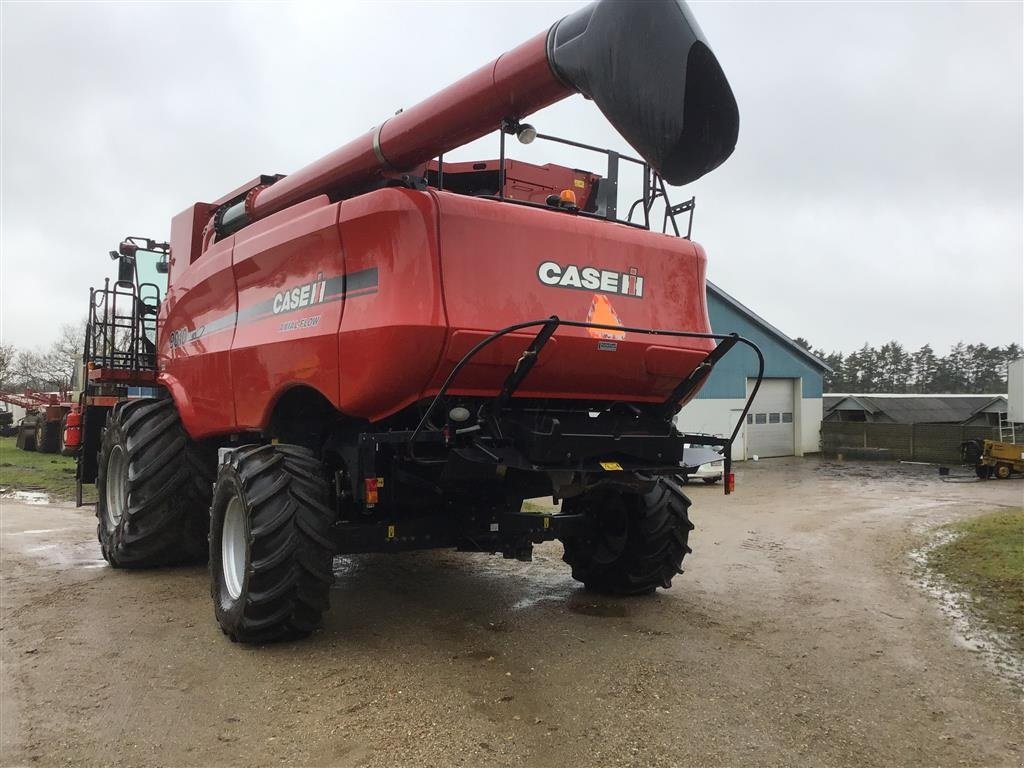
x: 875, y: 193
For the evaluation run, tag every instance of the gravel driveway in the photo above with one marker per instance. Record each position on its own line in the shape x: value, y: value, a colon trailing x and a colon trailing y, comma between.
x: 797, y: 636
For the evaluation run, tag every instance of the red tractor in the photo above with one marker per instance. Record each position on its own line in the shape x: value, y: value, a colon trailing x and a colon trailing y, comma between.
x: 386, y: 352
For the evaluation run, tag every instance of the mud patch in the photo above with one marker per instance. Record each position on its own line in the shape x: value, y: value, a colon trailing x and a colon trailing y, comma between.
x: 24, y: 497
x: 602, y: 609
x: 969, y: 630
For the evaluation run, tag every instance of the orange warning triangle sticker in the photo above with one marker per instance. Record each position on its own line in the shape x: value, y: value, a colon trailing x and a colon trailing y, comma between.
x: 603, y: 313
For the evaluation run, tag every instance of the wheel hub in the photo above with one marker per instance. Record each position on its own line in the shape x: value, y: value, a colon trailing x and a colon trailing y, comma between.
x: 116, y: 486
x: 232, y: 547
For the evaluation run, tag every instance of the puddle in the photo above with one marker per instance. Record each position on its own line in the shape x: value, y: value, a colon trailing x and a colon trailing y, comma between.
x: 37, y: 531
x: 969, y: 631
x: 558, y: 595
x: 25, y: 497
x: 67, y: 556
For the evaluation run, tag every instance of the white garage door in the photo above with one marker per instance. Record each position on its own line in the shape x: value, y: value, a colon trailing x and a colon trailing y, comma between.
x: 770, y: 421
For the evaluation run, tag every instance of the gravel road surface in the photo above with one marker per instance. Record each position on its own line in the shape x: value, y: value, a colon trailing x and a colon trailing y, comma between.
x: 797, y: 636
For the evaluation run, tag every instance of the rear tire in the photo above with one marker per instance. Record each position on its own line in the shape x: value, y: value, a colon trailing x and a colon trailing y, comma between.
x: 270, y: 547
x: 637, y: 542
x: 26, y: 435
x: 47, y: 436
x: 1003, y: 470
x: 154, y: 487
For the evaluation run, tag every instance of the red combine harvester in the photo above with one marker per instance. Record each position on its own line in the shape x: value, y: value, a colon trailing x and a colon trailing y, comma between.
x: 384, y: 351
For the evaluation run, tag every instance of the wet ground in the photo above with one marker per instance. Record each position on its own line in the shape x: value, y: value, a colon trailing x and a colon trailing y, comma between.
x: 797, y: 636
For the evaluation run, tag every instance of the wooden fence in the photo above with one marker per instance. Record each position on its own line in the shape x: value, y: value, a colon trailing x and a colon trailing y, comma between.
x: 903, y: 442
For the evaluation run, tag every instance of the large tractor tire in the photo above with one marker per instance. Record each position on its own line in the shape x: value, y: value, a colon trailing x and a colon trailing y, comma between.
x: 26, y: 436
x: 47, y: 435
x: 154, y: 486
x: 637, y: 541
x: 270, y: 545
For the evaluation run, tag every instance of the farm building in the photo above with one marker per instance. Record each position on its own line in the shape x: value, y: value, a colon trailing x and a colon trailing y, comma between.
x: 785, y: 419
x: 965, y: 410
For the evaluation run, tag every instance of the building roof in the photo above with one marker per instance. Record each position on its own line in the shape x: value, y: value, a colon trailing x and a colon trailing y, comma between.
x: 910, y: 409
x: 813, y: 359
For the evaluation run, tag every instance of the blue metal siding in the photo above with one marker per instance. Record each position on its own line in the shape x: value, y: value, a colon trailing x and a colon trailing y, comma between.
x: 729, y: 378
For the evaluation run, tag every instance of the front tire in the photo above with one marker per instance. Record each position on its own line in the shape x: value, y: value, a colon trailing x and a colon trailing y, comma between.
x: 637, y: 541
x: 270, y: 547
x: 154, y: 487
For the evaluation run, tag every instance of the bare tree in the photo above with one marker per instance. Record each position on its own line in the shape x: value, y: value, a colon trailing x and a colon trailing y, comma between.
x: 7, y: 356
x: 54, y: 368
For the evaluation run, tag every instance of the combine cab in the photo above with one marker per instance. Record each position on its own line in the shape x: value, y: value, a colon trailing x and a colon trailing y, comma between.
x: 119, y: 359
x: 385, y: 351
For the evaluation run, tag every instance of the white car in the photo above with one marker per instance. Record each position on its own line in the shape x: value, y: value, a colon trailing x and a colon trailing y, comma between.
x: 710, y: 473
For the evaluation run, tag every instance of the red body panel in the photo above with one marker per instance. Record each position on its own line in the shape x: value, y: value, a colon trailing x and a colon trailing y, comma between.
x: 371, y: 301
x: 197, y: 326
x: 392, y: 332
x: 490, y: 254
x: 274, y: 350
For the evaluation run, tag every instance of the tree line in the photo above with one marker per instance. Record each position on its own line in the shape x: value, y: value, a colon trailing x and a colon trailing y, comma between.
x: 967, y: 369
x: 43, y: 369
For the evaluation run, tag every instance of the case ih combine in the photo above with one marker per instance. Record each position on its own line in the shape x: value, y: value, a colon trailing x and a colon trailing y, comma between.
x: 385, y: 352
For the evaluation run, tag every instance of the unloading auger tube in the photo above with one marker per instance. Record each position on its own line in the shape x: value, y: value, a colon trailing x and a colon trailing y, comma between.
x: 646, y: 65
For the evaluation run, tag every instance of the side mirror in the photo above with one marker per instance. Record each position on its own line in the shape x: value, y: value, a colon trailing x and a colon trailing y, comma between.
x: 162, y: 267
x: 126, y: 270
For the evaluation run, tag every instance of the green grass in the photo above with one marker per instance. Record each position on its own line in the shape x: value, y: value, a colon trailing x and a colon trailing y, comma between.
x: 986, y: 559
x: 31, y: 471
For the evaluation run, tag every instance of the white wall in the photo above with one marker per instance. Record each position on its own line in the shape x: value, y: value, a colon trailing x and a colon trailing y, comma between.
x: 1015, y: 407
x: 718, y: 417
x: 18, y: 411
x: 811, y: 412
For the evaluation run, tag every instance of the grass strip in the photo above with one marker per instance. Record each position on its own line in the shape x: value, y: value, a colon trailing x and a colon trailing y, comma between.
x: 986, y: 560
x: 30, y: 471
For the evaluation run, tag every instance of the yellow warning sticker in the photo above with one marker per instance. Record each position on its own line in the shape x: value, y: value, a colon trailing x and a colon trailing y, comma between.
x: 547, y: 522
x: 611, y: 466
x: 391, y: 531
x: 380, y: 482
x: 580, y: 183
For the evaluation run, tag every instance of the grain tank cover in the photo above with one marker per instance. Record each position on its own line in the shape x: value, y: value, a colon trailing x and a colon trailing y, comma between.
x: 650, y: 71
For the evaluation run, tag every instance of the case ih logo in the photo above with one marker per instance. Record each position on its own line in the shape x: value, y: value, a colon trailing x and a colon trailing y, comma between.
x: 592, y: 279
x: 300, y: 296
